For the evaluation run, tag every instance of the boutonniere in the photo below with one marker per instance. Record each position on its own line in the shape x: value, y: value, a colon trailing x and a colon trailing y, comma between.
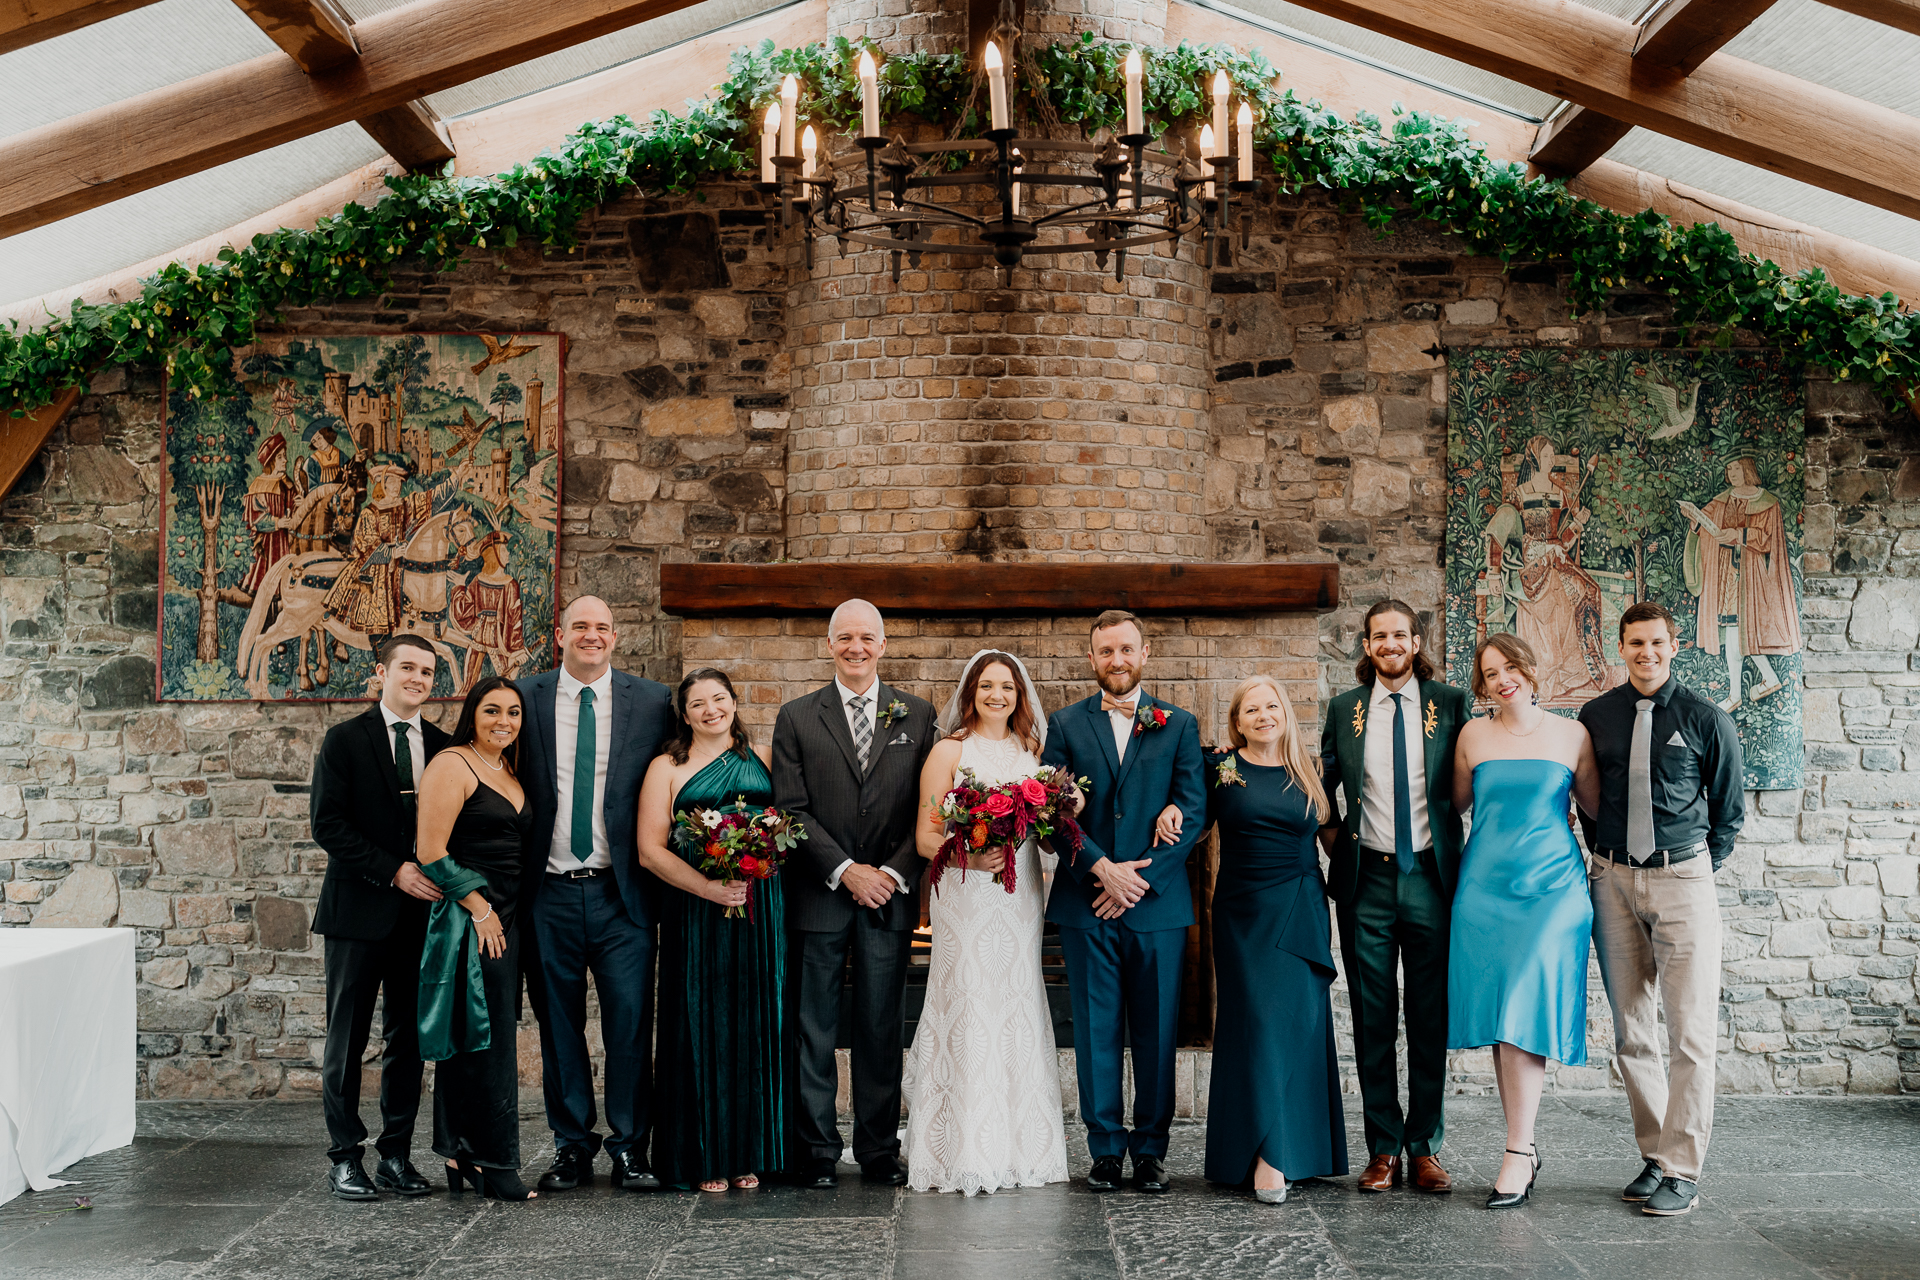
x: 1148, y: 717
x: 1433, y: 717
x: 894, y: 711
x: 1359, y: 718
x: 1226, y: 775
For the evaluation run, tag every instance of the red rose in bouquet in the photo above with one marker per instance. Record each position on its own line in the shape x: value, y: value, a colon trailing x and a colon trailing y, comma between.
x: 737, y: 842
x: 977, y: 817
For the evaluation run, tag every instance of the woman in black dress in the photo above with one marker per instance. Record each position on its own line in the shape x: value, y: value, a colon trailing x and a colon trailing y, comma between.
x: 1274, y: 1110
x: 473, y: 823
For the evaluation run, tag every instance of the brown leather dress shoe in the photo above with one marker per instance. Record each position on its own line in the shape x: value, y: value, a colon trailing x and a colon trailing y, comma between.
x: 1427, y: 1175
x: 1382, y: 1172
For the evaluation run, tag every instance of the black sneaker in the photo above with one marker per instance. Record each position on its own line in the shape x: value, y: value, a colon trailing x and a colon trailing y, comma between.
x: 1643, y: 1186
x: 1674, y: 1197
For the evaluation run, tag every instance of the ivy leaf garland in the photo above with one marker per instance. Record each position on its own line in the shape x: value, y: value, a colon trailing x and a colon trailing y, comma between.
x: 1418, y: 168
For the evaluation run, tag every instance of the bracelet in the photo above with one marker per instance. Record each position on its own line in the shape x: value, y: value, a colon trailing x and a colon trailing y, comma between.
x: 480, y: 920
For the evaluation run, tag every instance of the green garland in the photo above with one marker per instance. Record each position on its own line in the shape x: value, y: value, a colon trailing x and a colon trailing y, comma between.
x: 1425, y: 169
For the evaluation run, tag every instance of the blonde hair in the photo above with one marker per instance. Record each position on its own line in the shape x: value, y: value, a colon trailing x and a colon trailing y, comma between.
x: 1302, y: 765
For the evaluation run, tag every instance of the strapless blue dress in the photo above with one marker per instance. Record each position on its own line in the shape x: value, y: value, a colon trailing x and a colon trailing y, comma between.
x: 1522, y: 917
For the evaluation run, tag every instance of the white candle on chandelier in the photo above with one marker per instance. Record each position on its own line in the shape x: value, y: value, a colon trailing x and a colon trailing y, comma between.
x: 789, y: 113
x: 869, y: 95
x: 1222, y: 90
x: 809, y: 147
x: 1206, y: 149
x: 770, y: 143
x: 1018, y: 160
x: 996, y: 86
x: 1246, y: 143
x: 1136, y: 118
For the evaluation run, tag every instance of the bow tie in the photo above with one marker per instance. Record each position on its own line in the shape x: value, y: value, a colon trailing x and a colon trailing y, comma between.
x: 1109, y: 703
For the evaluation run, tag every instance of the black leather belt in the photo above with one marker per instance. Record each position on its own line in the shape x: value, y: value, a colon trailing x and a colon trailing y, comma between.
x: 1386, y: 856
x: 581, y: 873
x: 1658, y: 858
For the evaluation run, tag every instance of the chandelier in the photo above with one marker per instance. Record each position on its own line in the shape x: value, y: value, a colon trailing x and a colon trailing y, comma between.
x: 1043, y: 196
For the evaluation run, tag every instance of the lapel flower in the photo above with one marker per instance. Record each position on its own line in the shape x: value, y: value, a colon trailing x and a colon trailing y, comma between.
x: 1148, y: 717
x: 894, y: 711
x: 1226, y: 775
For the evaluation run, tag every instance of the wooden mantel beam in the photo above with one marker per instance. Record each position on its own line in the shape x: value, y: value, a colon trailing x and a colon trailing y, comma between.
x: 1789, y: 126
x: 754, y: 590
x: 98, y: 156
x: 1673, y: 43
x: 25, y: 22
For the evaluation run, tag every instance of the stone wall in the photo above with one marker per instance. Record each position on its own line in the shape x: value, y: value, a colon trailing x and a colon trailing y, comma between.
x: 187, y: 822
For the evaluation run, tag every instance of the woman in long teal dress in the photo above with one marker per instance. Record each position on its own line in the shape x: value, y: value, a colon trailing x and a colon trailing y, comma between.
x: 1522, y: 917
x: 721, y: 1053
x: 1274, y: 1111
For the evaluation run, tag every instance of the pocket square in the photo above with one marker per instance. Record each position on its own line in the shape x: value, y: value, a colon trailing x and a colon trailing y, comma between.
x: 1676, y: 740
x: 902, y: 741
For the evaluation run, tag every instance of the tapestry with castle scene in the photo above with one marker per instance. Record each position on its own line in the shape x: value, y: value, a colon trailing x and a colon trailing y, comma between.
x: 360, y: 488
x: 1581, y: 481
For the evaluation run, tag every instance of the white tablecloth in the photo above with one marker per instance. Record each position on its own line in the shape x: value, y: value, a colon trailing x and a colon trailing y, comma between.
x: 67, y: 1030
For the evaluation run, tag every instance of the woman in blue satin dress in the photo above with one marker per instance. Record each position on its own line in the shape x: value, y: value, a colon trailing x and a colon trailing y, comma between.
x: 1522, y: 917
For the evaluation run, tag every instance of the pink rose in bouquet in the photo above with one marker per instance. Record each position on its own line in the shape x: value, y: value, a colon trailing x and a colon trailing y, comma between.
x: 977, y: 817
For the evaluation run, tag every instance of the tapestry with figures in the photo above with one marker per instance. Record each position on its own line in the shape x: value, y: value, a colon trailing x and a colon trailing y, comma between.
x: 360, y: 488
x: 1581, y: 481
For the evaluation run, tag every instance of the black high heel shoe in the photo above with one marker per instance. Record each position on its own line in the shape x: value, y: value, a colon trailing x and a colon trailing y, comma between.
x: 1514, y: 1199
x: 457, y: 1175
x: 498, y: 1184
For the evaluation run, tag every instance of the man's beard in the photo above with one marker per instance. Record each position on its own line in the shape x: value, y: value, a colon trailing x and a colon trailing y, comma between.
x: 1392, y: 666
x: 1119, y: 683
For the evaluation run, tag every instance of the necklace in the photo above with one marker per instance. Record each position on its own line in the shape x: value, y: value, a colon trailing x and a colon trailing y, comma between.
x: 481, y: 757
x: 1529, y: 733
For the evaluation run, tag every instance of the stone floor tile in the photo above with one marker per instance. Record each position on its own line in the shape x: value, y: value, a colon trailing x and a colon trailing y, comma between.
x: 1845, y: 1245
x: 775, y: 1199
x: 1022, y: 1264
x: 806, y: 1250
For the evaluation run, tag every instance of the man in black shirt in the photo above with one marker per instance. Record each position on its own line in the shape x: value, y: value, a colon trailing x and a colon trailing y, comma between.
x: 1670, y: 807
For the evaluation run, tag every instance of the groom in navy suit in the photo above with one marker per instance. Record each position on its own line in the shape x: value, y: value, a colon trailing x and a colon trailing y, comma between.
x: 1123, y: 906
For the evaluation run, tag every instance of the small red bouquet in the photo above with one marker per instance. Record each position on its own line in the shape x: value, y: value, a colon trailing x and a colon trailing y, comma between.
x: 737, y: 842
x: 978, y: 817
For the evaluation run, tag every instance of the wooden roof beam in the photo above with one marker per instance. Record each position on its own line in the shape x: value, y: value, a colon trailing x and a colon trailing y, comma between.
x: 98, y: 156
x: 414, y: 134
x: 1674, y: 42
x: 1902, y: 15
x: 316, y: 34
x: 1761, y: 117
x: 25, y: 22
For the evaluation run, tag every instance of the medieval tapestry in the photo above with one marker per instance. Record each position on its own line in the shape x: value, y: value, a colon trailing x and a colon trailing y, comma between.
x: 359, y: 488
x: 1581, y: 481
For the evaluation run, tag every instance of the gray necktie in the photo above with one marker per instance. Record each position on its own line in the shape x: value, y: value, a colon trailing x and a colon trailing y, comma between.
x: 1640, y: 784
x: 862, y: 731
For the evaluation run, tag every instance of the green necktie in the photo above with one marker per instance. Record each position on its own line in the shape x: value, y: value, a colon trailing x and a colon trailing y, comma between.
x: 403, y: 765
x: 586, y: 762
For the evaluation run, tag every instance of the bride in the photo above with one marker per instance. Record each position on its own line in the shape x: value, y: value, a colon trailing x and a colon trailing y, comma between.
x: 982, y: 1079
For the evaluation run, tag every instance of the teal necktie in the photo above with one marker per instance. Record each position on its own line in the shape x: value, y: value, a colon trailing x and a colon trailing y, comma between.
x: 1402, y: 791
x: 586, y: 763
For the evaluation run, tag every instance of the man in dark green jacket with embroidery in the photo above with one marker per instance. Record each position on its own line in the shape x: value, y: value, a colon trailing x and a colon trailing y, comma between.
x: 1393, y: 861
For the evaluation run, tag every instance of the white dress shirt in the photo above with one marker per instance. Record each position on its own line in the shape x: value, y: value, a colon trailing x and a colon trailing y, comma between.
x: 1123, y: 721
x: 871, y: 711
x: 566, y: 737
x: 1376, y: 792
x: 416, y: 740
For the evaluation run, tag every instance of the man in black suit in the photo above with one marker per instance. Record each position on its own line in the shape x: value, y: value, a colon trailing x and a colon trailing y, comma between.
x: 846, y: 759
x: 593, y: 732
x: 373, y: 914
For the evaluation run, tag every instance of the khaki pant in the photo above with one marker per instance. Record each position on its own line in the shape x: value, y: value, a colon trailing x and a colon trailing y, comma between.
x: 1656, y: 924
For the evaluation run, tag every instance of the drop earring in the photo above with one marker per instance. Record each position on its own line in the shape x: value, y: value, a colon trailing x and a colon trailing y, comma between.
x: 1536, y: 697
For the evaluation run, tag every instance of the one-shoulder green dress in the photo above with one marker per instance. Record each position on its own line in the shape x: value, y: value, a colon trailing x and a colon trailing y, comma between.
x: 722, y: 1063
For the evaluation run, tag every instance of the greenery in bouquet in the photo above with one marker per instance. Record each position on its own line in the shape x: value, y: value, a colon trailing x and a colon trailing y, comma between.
x: 979, y: 818
x: 737, y: 842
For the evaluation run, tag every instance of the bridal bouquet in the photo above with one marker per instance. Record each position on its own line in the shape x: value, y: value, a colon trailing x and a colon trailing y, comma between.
x: 977, y: 817
x: 737, y: 842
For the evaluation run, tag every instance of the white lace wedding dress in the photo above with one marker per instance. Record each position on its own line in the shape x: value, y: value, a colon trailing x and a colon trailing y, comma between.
x: 982, y: 1080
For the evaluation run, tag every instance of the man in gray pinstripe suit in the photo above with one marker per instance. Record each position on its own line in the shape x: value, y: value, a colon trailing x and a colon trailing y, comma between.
x: 846, y: 759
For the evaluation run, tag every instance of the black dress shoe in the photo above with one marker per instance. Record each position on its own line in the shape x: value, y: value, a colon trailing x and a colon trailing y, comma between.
x: 572, y: 1167
x: 1105, y: 1174
x: 887, y: 1171
x: 819, y: 1175
x: 397, y: 1174
x: 348, y: 1181
x: 1150, y: 1174
x: 630, y: 1171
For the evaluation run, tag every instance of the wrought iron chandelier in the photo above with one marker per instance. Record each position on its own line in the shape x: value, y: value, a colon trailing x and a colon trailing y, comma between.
x: 1110, y: 198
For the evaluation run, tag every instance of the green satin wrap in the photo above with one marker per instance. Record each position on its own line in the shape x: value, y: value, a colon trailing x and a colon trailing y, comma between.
x: 453, y: 999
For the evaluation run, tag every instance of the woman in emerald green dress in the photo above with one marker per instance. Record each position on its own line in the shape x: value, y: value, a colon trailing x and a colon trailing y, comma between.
x: 721, y: 1061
